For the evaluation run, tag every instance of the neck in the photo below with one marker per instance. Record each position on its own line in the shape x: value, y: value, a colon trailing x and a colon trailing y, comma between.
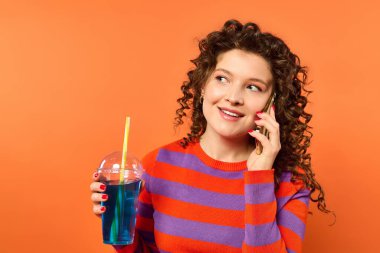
x: 226, y: 149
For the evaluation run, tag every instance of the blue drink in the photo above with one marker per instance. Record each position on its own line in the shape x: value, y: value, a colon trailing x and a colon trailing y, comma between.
x: 119, y: 219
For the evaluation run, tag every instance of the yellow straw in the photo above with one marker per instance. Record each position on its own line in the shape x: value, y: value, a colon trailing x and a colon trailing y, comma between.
x: 125, y: 148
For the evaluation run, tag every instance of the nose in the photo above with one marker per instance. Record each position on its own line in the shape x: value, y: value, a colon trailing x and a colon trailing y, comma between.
x: 234, y: 96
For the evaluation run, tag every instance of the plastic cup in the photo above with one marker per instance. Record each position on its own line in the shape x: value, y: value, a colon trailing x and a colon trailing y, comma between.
x: 119, y: 219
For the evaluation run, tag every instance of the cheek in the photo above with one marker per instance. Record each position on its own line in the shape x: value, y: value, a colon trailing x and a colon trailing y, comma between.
x: 210, y: 102
x: 253, y: 109
x: 213, y: 94
x: 257, y: 104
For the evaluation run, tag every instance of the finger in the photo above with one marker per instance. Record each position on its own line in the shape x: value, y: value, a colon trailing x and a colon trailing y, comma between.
x: 97, y: 187
x: 265, y: 123
x: 261, y: 138
x: 272, y: 112
x: 95, y: 176
x: 99, y: 197
x: 274, y: 133
x: 98, y: 209
x: 268, y: 117
x: 275, y: 137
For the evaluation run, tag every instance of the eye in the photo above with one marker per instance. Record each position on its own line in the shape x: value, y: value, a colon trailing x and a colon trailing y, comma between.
x: 254, y: 87
x: 220, y: 77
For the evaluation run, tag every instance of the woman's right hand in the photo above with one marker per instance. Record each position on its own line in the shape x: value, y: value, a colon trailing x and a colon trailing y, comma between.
x: 97, y: 195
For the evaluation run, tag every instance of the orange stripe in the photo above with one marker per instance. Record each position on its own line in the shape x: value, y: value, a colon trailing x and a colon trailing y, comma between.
x: 199, y: 213
x: 145, y: 224
x: 177, y: 244
x: 278, y: 247
x: 257, y: 214
x: 298, y: 208
x: 259, y: 176
x: 293, y: 241
x: 285, y: 189
x: 149, y: 160
x: 199, y: 180
x: 145, y: 197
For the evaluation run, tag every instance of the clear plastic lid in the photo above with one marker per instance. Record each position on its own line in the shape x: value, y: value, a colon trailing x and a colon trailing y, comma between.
x: 110, y: 166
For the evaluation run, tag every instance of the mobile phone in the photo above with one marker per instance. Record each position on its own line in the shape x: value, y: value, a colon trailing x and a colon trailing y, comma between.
x: 262, y: 129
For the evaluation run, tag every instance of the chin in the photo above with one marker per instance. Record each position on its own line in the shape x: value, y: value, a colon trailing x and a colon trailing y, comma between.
x: 231, y: 135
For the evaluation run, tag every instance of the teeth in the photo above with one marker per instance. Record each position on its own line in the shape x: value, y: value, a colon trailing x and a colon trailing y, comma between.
x: 231, y: 113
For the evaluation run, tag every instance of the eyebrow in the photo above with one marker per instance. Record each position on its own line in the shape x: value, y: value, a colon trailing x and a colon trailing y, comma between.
x: 251, y: 79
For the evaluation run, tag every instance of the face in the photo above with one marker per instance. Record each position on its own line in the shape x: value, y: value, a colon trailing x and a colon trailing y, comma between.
x: 239, y: 87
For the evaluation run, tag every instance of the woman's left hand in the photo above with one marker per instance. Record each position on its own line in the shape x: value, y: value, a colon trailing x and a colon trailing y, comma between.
x: 271, y: 146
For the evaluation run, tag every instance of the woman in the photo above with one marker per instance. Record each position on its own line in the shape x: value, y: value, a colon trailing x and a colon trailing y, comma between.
x: 212, y: 191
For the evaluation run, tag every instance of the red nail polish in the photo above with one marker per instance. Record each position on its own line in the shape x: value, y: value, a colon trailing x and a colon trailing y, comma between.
x: 104, y: 196
x: 102, y: 208
x: 102, y: 187
x: 250, y: 131
x: 259, y: 113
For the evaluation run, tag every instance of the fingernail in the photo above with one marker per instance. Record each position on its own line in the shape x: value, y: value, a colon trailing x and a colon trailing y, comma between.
x: 250, y: 131
x: 259, y: 114
x: 102, y: 208
x: 96, y: 174
x: 102, y: 187
x: 273, y: 107
x: 104, y: 196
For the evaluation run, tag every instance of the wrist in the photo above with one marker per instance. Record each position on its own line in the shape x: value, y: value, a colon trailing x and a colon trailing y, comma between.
x: 256, y: 167
x: 259, y: 176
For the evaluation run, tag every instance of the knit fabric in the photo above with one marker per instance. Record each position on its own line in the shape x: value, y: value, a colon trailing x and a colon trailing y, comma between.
x: 194, y: 203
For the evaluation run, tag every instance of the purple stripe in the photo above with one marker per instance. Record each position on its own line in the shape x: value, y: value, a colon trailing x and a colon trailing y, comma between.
x: 196, y: 230
x: 146, y: 236
x: 259, y: 193
x: 282, y: 201
x: 162, y: 251
x: 290, y: 251
x: 285, y: 176
x: 145, y: 210
x: 302, y: 195
x: 119, y: 247
x: 261, y: 235
x: 192, y: 162
x: 287, y: 219
x: 194, y: 195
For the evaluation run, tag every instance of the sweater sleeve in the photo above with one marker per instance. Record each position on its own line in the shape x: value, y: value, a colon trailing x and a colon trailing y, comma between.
x: 274, y: 222
x: 144, y: 241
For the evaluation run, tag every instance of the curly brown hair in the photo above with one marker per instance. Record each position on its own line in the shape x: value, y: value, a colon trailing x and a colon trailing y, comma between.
x: 289, y: 82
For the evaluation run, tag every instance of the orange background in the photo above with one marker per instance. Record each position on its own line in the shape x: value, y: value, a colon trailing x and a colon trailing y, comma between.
x: 70, y: 71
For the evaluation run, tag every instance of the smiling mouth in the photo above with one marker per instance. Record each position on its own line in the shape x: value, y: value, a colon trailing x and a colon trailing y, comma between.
x: 235, y: 115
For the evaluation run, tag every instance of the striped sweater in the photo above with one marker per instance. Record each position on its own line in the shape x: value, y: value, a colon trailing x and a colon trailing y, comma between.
x: 194, y: 203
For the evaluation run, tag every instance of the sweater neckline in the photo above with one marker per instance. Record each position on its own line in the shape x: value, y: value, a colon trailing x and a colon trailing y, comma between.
x: 217, y: 164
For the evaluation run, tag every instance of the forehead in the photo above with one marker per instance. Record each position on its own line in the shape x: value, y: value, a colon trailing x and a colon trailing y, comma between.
x: 245, y: 65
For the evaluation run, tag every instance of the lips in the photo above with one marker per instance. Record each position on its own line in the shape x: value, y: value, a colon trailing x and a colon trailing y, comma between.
x: 231, y: 112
